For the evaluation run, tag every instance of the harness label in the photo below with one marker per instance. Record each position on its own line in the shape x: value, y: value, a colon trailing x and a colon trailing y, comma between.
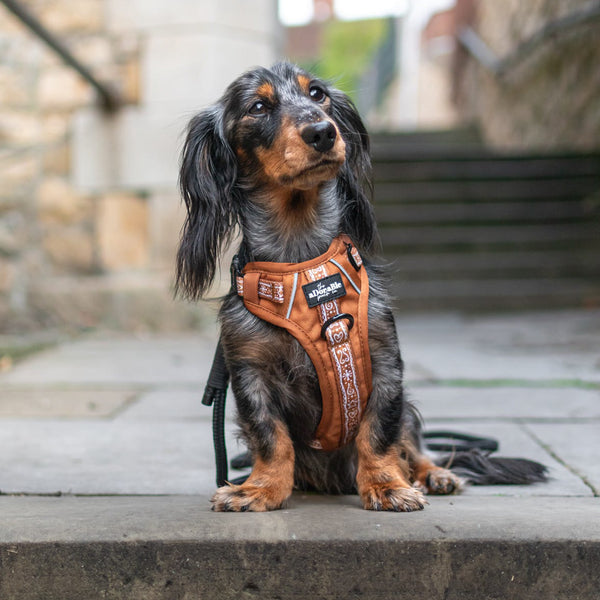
x: 324, y: 290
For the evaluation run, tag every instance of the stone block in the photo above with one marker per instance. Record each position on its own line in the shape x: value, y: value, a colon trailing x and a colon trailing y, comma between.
x: 19, y: 127
x: 56, y: 160
x: 7, y: 275
x: 122, y: 231
x: 69, y: 249
x: 61, y: 87
x: 14, y: 89
x: 13, y: 233
x: 93, y: 50
x: 54, y: 126
x: 130, y: 80
x: 66, y: 16
x: 135, y: 149
x: 148, y: 149
x: 18, y: 175
x: 94, y: 149
x: 59, y: 203
x: 167, y: 215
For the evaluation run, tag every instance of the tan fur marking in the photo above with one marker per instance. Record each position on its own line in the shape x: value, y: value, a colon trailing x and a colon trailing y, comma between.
x: 382, y: 482
x: 293, y: 164
x: 304, y: 83
x: 293, y: 210
x: 269, y: 485
x: 266, y: 92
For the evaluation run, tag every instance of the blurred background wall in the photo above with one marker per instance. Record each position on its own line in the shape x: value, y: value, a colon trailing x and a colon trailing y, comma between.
x: 89, y: 209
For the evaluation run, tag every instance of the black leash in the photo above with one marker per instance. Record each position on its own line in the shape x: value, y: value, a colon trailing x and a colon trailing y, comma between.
x: 452, y: 441
x: 215, y: 394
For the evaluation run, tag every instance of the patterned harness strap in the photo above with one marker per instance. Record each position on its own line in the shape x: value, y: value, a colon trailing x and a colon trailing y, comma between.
x: 329, y: 318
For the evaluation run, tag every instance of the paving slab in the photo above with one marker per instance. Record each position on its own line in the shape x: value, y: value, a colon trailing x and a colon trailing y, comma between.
x: 69, y: 403
x: 176, y: 403
x: 117, y: 360
x: 577, y: 445
x: 507, y: 402
x: 173, y: 457
x: 516, y: 442
x: 541, y: 346
x: 307, y: 516
x: 109, y: 457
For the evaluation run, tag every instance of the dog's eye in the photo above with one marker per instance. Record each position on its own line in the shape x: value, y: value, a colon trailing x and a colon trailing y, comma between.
x: 258, y: 108
x: 317, y: 93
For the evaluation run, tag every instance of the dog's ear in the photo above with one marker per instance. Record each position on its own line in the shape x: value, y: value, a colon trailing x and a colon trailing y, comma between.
x: 207, y: 177
x: 354, y: 179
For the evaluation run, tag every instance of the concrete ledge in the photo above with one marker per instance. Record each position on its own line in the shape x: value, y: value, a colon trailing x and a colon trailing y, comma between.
x: 319, y: 547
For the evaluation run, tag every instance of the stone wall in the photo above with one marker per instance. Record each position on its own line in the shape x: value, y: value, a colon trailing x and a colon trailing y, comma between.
x: 89, y: 210
x: 551, y: 98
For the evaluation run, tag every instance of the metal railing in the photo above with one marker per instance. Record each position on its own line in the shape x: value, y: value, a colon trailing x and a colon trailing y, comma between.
x: 473, y: 43
x: 109, y: 99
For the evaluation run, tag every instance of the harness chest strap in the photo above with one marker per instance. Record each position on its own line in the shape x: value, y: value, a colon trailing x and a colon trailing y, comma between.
x: 323, y: 303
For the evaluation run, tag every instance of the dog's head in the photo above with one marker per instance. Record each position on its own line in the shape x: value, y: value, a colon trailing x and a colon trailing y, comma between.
x: 274, y: 132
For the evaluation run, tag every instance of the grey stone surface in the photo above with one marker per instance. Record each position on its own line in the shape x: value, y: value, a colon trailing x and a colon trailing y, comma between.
x: 307, y: 517
x: 516, y: 441
x: 110, y: 457
x: 318, y: 548
x: 115, y: 360
x: 553, y: 346
x: 507, y: 402
x: 578, y: 445
x: 68, y: 403
x: 122, y: 415
x: 527, y: 380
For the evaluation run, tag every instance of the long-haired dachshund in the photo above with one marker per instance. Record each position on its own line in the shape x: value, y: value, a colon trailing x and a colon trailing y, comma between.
x: 283, y: 159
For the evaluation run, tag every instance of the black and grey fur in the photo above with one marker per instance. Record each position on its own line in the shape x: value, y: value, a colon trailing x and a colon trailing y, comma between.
x: 231, y: 180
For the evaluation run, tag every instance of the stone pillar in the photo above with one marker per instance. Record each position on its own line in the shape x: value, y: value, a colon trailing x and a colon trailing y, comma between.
x: 189, y: 51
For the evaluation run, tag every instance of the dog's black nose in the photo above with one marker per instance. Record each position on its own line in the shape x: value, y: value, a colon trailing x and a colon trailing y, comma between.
x: 320, y: 135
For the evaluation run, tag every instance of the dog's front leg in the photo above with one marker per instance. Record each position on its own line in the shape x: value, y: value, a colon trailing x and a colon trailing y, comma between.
x: 271, y: 481
x: 381, y: 481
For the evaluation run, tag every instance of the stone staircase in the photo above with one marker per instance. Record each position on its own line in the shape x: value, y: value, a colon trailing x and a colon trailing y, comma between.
x: 469, y: 228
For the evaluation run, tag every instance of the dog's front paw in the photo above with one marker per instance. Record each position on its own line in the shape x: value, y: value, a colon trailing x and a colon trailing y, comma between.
x: 441, y: 481
x: 400, y: 499
x: 248, y: 497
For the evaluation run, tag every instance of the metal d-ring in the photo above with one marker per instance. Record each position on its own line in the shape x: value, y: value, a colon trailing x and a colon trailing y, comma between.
x: 334, y: 319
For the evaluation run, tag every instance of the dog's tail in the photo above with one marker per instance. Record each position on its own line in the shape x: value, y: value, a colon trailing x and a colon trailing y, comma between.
x: 478, y: 468
x: 469, y: 457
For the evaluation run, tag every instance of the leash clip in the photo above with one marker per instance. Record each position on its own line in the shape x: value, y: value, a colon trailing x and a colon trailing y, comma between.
x: 353, y: 256
x: 235, y: 271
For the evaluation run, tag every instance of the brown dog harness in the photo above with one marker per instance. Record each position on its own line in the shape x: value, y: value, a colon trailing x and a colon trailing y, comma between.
x: 323, y: 303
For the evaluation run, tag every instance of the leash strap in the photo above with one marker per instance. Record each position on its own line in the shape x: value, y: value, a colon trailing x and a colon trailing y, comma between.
x: 215, y: 394
x: 452, y: 441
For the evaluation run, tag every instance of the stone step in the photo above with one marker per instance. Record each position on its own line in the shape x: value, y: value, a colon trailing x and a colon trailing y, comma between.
x: 459, y: 547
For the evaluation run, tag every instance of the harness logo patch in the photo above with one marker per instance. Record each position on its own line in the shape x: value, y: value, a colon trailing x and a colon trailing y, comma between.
x: 324, y: 290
